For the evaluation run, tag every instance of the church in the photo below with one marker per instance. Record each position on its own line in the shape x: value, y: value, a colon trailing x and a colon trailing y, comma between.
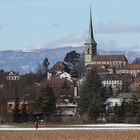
x: 93, y: 58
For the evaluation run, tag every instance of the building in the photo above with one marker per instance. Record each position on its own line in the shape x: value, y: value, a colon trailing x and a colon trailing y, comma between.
x: 133, y: 69
x: 136, y: 82
x: 92, y: 58
x: 101, y: 68
x: 11, y: 105
x: 58, y: 68
x: 68, y: 109
x: 13, y: 76
x: 115, y: 81
x: 65, y: 75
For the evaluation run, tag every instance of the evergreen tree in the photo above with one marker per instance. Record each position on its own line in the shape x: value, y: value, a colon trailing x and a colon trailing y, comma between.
x: 109, y: 91
x: 93, y: 113
x: 72, y: 58
x: 36, y: 106
x: 46, y: 63
x: 92, y: 91
x: 138, y: 116
x: 45, y: 102
x: 16, y: 111
x: 120, y: 112
x: 49, y: 102
x: 67, y: 91
x: 24, y: 116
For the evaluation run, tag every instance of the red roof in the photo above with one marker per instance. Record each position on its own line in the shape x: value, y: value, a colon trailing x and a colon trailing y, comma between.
x: 58, y: 66
x: 109, y: 58
x: 132, y: 66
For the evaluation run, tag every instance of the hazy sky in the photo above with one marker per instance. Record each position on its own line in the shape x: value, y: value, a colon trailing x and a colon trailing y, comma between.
x: 26, y: 24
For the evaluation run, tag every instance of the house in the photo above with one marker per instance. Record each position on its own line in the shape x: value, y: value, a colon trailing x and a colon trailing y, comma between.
x: 58, y: 67
x: 65, y: 75
x: 125, y: 96
x: 101, y: 68
x: 136, y: 82
x: 12, y: 76
x: 113, y: 101
x: 11, y: 105
x: 115, y: 81
x: 133, y: 69
x: 110, y: 105
x: 66, y: 110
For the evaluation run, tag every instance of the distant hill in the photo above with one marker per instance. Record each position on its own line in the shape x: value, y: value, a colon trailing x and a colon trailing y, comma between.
x: 136, y: 61
x: 25, y: 61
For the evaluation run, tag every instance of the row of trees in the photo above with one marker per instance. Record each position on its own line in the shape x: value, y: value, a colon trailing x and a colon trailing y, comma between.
x: 93, y: 96
x: 128, y: 112
x: 45, y: 102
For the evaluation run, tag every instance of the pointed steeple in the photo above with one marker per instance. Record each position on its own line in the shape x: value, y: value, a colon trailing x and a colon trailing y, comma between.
x: 90, y: 40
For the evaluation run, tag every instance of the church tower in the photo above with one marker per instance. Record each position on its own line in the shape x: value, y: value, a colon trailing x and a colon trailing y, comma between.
x: 90, y: 45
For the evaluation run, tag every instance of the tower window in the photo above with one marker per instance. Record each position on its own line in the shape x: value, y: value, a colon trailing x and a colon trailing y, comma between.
x: 88, y: 51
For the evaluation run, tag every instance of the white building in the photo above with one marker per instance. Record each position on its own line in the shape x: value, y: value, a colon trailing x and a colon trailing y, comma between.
x: 114, y: 81
x: 65, y: 75
x: 113, y: 101
x: 13, y: 76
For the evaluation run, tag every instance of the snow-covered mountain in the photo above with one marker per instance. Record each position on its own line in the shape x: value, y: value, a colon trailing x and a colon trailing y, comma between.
x: 25, y: 61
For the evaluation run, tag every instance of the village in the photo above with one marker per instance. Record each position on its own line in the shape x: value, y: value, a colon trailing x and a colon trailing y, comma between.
x: 23, y: 98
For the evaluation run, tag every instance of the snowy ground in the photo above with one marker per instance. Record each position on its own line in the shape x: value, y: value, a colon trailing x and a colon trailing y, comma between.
x: 78, y: 127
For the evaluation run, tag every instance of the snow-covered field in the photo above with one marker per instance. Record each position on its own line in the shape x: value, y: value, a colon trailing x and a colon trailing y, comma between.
x: 78, y: 127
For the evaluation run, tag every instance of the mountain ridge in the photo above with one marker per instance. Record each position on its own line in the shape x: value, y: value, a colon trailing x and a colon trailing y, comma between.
x: 24, y: 62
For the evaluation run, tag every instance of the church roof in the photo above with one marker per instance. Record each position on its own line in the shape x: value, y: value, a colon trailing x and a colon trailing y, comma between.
x: 90, y: 39
x: 109, y: 58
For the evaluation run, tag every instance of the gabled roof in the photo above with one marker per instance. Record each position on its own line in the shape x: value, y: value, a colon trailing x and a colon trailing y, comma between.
x: 63, y: 73
x: 132, y: 66
x: 109, y: 58
x: 12, y: 73
x: 58, y: 66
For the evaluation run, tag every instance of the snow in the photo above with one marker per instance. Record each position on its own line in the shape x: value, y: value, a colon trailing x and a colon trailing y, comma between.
x: 95, y: 127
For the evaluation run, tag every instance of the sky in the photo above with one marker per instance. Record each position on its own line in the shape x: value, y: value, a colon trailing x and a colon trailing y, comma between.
x: 34, y: 24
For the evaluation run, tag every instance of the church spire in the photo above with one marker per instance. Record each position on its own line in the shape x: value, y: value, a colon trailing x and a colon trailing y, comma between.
x: 90, y: 40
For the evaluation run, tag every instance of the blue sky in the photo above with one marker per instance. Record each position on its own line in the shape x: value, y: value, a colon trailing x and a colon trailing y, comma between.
x: 29, y: 24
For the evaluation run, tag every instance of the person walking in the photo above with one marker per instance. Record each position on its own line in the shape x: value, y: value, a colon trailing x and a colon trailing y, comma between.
x: 36, y: 123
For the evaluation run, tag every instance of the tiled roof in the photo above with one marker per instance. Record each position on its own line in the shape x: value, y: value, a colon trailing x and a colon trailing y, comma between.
x: 99, y: 66
x: 109, y: 58
x: 132, y: 66
x: 58, y: 66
